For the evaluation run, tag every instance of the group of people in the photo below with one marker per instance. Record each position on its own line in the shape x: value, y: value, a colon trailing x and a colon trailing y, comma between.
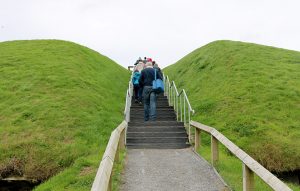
x: 144, y: 72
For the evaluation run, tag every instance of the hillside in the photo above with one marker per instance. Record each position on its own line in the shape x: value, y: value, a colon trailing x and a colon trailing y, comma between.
x: 59, y: 102
x: 249, y: 92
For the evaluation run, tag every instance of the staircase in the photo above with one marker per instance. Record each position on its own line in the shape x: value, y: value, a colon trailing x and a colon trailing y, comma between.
x: 164, y: 133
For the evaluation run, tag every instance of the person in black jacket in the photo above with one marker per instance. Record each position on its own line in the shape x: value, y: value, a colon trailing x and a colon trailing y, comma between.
x: 149, y: 96
x: 155, y: 66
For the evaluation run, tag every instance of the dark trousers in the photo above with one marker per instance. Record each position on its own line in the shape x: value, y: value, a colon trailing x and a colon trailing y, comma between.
x: 140, y: 94
x: 136, y: 92
x: 149, y: 98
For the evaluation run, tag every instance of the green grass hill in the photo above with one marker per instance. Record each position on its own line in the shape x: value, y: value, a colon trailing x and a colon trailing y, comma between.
x: 249, y: 92
x: 59, y: 102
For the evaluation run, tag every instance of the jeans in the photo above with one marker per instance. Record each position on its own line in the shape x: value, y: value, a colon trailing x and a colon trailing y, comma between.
x: 149, y: 103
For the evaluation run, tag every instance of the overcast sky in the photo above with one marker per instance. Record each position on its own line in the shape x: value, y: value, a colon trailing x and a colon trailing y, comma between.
x: 165, y: 30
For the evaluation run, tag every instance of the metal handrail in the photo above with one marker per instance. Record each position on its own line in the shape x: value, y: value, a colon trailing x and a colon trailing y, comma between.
x: 129, y: 93
x: 176, y: 99
x: 128, y: 100
x: 188, y: 102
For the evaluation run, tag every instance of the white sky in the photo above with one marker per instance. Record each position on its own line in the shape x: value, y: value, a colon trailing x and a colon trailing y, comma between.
x: 165, y: 30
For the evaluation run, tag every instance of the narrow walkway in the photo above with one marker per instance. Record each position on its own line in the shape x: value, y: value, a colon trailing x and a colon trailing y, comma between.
x: 168, y: 169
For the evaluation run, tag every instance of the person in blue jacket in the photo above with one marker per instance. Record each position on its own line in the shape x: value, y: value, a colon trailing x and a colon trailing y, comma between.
x: 149, y: 96
x: 136, y: 86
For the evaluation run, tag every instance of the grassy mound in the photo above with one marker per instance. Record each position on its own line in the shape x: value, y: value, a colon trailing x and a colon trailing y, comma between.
x: 249, y: 92
x: 59, y: 102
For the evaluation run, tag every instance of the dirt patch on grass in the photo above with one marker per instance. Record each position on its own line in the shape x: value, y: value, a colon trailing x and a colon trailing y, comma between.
x: 15, y: 167
x: 86, y: 170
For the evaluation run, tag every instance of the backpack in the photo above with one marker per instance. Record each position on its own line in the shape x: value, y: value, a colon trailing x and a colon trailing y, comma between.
x: 157, y: 84
x: 135, y: 78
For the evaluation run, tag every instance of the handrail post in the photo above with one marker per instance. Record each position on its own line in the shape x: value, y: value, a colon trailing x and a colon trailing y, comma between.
x: 248, y: 178
x: 117, y: 158
x: 174, y: 101
x: 170, y: 96
x: 214, y: 150
x: 177, y: 112
x: 110, y: 182
x: 169, y: 92
x: 180, y: 97
x: 164, y: 79
x: 189, y: 125
x: 122, y: 140
x: 184, y: 109
x: 197, y: 139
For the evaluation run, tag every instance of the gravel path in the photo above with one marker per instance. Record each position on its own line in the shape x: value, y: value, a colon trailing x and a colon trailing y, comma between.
x: 168, y: 169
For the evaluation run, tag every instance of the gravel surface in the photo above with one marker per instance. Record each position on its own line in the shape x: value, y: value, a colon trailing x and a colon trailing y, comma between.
x: 168, y: 169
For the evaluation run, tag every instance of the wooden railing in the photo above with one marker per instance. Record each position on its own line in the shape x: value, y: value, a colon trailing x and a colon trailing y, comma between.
x: 103, y: 179
x: 250, y: 166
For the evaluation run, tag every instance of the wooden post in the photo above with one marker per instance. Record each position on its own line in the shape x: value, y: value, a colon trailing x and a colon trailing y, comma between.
x: 214, y: 150
x: 248, y: 179
x: 122, y: 140
x: 117, y: 158
x: 197, y: 139
x: 110, y: 183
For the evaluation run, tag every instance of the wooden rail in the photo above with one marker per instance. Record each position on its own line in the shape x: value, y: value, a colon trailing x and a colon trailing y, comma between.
x: 103, y: 179
x: 250, y: 166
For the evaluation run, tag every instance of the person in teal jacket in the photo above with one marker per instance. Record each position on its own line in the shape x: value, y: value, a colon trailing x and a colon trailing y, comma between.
x: 135, y: 81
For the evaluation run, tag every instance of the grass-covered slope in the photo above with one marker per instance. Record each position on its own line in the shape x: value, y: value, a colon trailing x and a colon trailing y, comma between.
x: 59, y: 102
x: 249, y: 92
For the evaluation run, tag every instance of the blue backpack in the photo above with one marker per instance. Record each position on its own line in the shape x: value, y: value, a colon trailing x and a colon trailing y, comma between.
x: 157, y: 84
x: 135, y: 78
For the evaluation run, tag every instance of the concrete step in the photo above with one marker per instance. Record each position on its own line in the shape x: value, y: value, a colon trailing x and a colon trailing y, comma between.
x: 161, y: 106
x: 156, y: 140
x: 158, y: 119
x: 157, y: 102
x: 156, y: 129
x: 155, y: 134
x: 158, y: 116
x: 158, y: 99
x: 161, y: 112
x: 136, y: 109
x: 157, y: 145
x: 133, y: 106
x: 155, y: 123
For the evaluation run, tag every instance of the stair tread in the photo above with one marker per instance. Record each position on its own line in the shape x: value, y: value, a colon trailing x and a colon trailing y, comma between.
x: 157, y: 145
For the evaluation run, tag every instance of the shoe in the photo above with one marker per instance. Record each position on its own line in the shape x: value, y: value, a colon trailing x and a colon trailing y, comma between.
x: 140, y: 103
x: 136, y: 101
